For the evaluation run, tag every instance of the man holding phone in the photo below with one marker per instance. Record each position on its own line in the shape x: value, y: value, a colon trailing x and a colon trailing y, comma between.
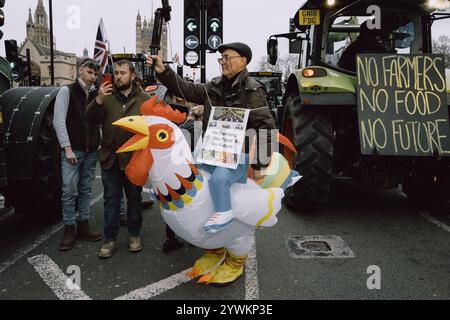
x: 79, y: 142
x: 112, y: 103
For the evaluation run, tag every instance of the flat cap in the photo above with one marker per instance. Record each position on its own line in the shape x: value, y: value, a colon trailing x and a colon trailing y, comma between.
x: 241, y: 48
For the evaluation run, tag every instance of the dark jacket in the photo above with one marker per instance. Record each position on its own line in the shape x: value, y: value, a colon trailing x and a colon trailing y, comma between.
x: 113, y: 109
x: 244, y: 92
x: 83, y: 135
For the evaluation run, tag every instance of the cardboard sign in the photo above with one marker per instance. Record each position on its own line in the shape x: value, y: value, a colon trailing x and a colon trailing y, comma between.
x: 309, y: 17
x: 224, y: 137
x: 402, y: 105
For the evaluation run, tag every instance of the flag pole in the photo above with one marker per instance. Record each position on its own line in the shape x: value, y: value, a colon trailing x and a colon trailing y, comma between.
x: 111, y: 67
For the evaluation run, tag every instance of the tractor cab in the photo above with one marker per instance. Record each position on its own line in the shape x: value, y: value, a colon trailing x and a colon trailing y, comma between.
x: 394, y: 30
x: 345, y: 106
x: 326, y: 28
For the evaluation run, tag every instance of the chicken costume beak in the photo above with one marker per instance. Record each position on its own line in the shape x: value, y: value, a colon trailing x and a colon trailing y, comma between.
x: 137, y: 125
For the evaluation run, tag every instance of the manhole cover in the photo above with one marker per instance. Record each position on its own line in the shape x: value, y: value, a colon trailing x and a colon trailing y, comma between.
x: 303, y: 247
x: 315, y: 246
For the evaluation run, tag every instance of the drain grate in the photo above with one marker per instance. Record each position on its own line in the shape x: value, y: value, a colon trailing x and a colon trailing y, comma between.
x: 304, y: 247
x: 315, y: 246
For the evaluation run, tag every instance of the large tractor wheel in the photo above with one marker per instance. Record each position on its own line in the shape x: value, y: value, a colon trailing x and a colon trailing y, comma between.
x: 311, y: 132
x: 42, y: 195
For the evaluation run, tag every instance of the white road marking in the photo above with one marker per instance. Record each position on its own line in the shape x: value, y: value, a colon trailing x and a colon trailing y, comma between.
x: 157, y: 288
x: 56, y: 279
x: 154, y: 289
x: 251, y: 273
x: 440, y: 224
x: 23, y: 252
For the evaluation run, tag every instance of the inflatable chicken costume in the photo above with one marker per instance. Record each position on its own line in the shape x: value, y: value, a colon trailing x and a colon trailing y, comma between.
x: 162, y: 155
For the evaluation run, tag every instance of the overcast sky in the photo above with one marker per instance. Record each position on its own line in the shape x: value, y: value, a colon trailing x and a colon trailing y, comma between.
x: 250, y: 21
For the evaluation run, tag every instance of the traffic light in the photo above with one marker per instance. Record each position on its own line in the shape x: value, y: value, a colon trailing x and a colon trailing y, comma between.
x: 2, y: 17
x: 12, y: 51
x: 192, y: 31
x: 19, y: 67
x: 214, y: 20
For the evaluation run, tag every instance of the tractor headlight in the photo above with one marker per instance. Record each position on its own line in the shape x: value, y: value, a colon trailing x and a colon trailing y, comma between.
x: 314, y: 72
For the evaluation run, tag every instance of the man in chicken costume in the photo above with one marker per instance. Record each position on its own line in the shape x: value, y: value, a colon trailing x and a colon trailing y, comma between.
x: 162, y: 155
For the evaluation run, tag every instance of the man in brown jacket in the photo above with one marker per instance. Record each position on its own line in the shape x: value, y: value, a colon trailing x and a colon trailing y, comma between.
x: 233, y: 89
x: 112, y: 103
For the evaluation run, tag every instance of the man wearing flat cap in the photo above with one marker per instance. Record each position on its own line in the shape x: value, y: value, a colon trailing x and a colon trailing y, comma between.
x: 233, y: 89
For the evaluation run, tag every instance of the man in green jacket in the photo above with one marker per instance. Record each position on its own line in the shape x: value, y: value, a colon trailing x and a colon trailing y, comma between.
x: 233, y: 89
x: 111, y: 104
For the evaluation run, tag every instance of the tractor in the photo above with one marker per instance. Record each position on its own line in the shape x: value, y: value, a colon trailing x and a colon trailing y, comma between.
x: 326, y: 107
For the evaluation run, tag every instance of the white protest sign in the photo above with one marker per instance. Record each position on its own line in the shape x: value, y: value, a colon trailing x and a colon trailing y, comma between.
x: 224, y: 137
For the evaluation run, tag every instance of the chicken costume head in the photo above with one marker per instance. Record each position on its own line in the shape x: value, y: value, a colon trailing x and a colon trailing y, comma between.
x: 163, y: 156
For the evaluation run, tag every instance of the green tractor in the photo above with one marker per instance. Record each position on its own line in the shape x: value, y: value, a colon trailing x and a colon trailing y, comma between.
x: 345, y: 126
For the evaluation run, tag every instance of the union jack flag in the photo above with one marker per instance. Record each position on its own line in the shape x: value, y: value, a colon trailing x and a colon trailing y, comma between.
x: 101, y: 52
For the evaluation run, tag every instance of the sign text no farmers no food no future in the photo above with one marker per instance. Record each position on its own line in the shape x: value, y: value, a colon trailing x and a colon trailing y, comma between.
x: 402, y: 105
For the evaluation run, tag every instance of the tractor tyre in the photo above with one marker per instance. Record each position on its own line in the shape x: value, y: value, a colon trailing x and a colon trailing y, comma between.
x: 42, y: 195
x: 311, y: 132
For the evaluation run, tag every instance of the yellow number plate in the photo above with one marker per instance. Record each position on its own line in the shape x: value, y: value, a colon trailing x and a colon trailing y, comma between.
x: 309, y: 17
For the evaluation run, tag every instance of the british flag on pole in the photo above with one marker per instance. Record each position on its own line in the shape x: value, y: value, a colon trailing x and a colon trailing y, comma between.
x: 101, y: 50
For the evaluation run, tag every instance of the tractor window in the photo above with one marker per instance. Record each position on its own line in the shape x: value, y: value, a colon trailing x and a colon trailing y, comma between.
x: 399, y: 33
x: 403, y: 37
x: 272, y: 85
x: 139, y: 69
x: 441, y: 39
x: 344, y: 31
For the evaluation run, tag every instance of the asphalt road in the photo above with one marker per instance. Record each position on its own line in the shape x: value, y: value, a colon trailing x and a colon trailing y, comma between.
x: 408, y: 249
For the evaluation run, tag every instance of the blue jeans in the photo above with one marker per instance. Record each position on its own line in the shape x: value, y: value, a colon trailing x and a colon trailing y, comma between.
x: 114, y: 183
x: 221, y: 181
x: 77, y: 185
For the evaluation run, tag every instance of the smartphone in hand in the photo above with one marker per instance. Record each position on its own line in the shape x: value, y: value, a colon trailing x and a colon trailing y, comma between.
x: 107, y: 78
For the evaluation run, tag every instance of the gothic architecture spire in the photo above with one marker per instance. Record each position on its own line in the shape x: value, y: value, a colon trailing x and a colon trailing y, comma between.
x: 30, y: 17
x: 38, y: 30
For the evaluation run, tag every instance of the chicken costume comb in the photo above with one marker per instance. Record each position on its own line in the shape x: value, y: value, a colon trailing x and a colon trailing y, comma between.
x: 153, y: 108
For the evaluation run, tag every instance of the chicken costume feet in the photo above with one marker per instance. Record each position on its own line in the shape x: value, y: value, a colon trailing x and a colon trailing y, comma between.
x: 210, y: 260
x: 229, y: 271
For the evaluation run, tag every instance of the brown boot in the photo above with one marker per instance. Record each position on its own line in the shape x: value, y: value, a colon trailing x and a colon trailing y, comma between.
x: 68, y: 240
x: 85, y: 232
